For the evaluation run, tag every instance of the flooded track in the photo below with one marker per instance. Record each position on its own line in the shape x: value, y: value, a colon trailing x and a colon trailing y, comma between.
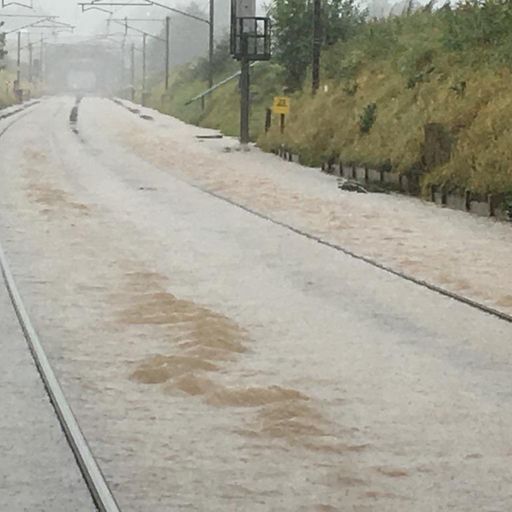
x: 374, y: 263
x: 219, y: 362
x: 37, y: 469
x: 61, y: 486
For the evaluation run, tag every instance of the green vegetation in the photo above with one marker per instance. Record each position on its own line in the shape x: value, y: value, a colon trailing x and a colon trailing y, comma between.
x: 6, y: 95
x: 293, y: 27
x: 367, y: 119
x: 222, y: 108
x: 384, y: 82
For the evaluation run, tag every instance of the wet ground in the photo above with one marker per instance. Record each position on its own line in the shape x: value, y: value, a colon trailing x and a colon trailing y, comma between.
x: 217, y: 361
x: 37, y: 467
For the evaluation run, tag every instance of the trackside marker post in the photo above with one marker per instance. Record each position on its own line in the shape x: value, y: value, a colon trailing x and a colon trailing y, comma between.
x: 281, y: 107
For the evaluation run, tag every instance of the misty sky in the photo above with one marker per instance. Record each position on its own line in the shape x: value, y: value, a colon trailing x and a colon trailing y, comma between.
x: 93, y: 21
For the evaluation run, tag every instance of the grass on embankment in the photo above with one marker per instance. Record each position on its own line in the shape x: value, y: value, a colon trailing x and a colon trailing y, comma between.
x: 414, y: 74
x: 222, y: 107
x: 6, y: 95
x: 403, y: 66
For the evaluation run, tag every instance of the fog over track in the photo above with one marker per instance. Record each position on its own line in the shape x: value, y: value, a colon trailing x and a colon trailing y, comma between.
x: 216, y: 361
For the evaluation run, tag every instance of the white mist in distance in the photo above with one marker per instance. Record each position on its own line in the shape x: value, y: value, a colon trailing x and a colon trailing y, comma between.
x: 93, y: 21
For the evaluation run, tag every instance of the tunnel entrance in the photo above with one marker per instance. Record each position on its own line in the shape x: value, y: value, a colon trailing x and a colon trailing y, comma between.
x: 81, y: 80
x: 83, y: 68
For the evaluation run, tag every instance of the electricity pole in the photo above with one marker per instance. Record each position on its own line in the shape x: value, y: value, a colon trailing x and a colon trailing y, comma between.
x: 122, y: 60
x: 211, y: 43
x: 166, y: 41
x: 245, y: 87
x: 41, y: 55
x: 30, y: 62
x: 317, y: 43
x: 101, y: 4
x: 18, y: 61
x: 133, y: 72
x: 144, y: 38
x: 167, y: 50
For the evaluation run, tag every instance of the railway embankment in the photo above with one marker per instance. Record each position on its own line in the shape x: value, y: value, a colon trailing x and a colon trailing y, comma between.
x: 424, y: 94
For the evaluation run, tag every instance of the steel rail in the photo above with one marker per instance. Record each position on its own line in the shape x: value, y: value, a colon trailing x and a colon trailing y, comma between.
x: 94, y: 479
x: 407, y: 277
x: 5, y: 115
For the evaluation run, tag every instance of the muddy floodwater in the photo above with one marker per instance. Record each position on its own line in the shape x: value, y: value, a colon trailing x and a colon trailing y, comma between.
x: 218, y: 361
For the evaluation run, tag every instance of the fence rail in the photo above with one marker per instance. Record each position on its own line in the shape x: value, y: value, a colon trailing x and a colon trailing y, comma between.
x: 206, y: 93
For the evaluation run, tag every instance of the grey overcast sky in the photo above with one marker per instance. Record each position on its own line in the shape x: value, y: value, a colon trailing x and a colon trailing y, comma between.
x: 92, y: 21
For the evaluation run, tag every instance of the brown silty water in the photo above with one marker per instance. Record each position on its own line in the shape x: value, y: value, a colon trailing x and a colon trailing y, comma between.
x: 204, y: 343
x: 209, y: 396
x: 389, y: 233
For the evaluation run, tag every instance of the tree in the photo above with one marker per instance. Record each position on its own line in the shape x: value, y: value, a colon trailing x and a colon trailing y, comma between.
x: 342, y: 19
x: 292, y: 22
x: 3, y: 51
x: 291, y: 31
x: 189, y: 41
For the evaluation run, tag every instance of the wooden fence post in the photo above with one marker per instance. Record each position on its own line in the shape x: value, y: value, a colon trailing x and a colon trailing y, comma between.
x: 433, y: 193
x: 492, y: 205
x: 268, y: 119
x: 467, y: 200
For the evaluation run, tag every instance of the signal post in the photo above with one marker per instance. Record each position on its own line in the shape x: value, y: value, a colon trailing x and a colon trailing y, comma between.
x: 250, y: 42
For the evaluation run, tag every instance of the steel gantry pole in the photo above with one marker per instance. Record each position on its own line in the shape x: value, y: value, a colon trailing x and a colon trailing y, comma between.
x: 30, y: 62
x: 123, y: 62
x: 317, y: 44
x: 167, y: 50
x: 211, y: 43
x: 166, y: 41
x: 99, y: 4
x: 41, y: 63
x: 133, y: 72
x: 245, y: 87
x: 18, y: 60
x: 143, y: 96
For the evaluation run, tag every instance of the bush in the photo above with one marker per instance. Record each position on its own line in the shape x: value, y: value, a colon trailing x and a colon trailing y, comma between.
x: 477, y: 24
x: 425, y: 67
x: 368, y: 117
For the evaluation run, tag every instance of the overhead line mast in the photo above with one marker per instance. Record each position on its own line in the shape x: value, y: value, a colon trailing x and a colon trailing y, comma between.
x: 124, y: 22
x: 101, y: 4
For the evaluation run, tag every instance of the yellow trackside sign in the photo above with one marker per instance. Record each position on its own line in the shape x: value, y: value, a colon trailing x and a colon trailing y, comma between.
x: 281, y: 105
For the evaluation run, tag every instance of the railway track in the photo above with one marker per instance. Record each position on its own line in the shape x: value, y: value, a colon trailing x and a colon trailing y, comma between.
x: 89, y: 468
x: 93, y: 477
x: 94, y: 153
